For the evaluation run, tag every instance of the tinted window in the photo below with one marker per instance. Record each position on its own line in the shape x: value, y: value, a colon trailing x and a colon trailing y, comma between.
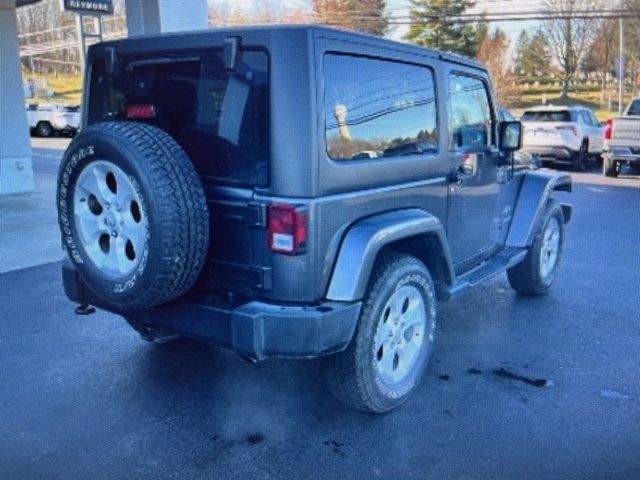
x: 220, y: 118
x: 547, y: 116
x: 634, y: 108
x: 470, y: 122
x: 586, y: 118
x: 376, y: 108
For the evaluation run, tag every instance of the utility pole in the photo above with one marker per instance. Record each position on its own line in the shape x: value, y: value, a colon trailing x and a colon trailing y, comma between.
x: 621, y: 64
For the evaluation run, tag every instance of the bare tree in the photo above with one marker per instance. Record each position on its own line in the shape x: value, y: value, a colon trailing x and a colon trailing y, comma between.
x: 600, y: 59
x: 632, y: 41
x: 492, y: 53
x: 571, y: 35
x: 361, y: 15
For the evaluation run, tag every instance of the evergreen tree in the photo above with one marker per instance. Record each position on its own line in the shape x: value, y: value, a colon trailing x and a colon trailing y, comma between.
x: 523, y: 45
x: 431, y: 29
x: 539, y: 57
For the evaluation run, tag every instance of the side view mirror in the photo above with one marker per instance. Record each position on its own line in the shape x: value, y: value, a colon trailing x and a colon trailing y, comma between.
x: 510, y: 136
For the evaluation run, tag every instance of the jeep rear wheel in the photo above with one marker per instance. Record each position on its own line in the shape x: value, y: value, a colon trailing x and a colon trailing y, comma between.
x: 133, y: 214
x: 389, y: 352
x: 537, y: 272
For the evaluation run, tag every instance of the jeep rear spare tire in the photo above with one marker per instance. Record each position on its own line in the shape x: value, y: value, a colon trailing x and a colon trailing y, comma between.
x: 133, y: 214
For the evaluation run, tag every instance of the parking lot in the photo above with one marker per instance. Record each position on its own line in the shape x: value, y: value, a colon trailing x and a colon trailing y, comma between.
x: 517, y: 387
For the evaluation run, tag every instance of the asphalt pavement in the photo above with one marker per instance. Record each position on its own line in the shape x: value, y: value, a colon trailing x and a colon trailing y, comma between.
x: 517, y: 387
x: 29, y: 233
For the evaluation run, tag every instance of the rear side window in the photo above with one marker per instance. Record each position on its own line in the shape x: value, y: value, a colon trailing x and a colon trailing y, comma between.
x: 376, y: 108
x: 547, y: 116
x: 586, y: 118
x: 634, y: 108
x: 470, y: 120
x: 220, y: 118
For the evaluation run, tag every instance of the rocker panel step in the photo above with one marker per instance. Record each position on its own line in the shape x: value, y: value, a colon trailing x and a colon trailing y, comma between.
x: 487, y: 270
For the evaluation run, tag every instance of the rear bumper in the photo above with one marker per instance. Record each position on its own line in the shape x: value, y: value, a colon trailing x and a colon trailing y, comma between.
x: 621, y: 155
x: 254, y: 329
x: 553, y: 153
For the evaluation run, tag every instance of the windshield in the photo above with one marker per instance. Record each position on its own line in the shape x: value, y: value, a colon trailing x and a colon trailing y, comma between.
x: 547, y: 116
x: 505, y: 115
x: 634, y: 108
x: 220, y: 118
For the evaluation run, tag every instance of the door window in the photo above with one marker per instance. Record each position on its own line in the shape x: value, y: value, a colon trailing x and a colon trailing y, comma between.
x: 376, y: 108
x: 470, y: 119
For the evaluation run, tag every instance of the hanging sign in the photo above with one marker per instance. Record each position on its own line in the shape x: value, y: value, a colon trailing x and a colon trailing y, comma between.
x: 88, y: 7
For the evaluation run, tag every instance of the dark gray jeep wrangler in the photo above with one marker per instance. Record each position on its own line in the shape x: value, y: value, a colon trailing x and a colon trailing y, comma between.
x: 299, y: 192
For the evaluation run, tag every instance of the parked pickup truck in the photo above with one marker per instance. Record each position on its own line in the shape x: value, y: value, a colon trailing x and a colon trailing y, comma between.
x: 622, y: 140
x: 46, y: 119
x: 297, y: 191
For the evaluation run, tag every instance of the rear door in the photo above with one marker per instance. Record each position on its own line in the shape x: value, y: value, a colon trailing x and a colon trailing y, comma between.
x: 472, y: 221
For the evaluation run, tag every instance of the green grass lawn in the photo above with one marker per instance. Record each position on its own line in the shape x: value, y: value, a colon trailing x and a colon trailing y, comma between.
x: 67, y: 89
x: 588, y: 96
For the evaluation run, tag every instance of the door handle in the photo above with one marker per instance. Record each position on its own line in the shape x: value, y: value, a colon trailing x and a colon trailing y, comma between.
x: 459, y: 173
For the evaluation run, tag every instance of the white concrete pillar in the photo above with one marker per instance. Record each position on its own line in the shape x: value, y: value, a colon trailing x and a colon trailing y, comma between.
x: 157, y: 16
x: 16, y: 171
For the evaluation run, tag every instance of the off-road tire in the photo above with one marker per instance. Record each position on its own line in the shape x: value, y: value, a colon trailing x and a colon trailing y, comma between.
x: 610, y: 168
x: 351, y: 374
x: 526, y: 277
x: 44, y: 129
x: 173, y: 204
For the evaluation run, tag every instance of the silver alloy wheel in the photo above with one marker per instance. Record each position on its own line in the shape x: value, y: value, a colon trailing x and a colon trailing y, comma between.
x: 550, y: 247
x: 400, y: 334
x: 110, y: 218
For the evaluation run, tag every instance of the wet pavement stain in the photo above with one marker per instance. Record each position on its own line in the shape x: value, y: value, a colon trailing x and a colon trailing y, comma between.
x: 336, y: 447
x: 536, y: 382
x: 255, y: 438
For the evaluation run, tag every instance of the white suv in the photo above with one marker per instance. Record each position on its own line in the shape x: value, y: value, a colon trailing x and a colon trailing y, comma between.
x: 562, y: 134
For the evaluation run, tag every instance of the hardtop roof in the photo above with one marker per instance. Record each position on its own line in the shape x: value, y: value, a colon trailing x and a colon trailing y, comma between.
x: 319, y: 30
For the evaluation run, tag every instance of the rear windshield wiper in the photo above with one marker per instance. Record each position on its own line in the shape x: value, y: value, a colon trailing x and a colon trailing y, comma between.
x: 160, y: 61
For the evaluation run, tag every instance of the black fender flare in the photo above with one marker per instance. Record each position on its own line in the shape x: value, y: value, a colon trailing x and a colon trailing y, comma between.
x: 367, y: 237
x: 535, y: 191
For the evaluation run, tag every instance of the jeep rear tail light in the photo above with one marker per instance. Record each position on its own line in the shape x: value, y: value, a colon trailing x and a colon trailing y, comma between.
x: 608, y: 129
x: 287, y: 229
x: 141, y: 111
